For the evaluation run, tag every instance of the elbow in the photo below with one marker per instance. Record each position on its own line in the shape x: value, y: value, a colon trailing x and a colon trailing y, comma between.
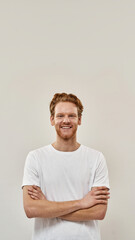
x: 101, y: 215
x: 29, y: 212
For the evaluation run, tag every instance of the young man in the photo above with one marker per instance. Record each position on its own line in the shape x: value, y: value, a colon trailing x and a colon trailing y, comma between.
x: 65, y: 184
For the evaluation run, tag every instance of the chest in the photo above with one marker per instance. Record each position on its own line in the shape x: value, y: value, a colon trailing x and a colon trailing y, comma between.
x: 66, y: 178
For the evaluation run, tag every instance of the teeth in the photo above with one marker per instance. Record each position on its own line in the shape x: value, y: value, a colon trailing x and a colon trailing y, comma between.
x: 65, y: 127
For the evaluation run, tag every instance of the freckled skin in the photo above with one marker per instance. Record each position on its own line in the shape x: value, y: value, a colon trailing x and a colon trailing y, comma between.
x: 66, y: 114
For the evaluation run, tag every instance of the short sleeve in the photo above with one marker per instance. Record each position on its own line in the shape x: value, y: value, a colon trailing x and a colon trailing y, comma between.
x: 31, y: 173
x: 101, y: 173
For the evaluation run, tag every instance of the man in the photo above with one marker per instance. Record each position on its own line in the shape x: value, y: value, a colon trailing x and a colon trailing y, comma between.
x: 65, y: 184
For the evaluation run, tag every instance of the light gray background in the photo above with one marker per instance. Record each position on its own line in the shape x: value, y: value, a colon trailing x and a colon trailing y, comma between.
x: 81, y: 47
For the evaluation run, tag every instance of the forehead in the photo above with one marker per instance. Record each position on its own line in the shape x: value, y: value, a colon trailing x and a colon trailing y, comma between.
x: 65, y: 107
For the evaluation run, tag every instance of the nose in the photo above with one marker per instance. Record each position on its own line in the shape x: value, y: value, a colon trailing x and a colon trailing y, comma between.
x: 66, y: 119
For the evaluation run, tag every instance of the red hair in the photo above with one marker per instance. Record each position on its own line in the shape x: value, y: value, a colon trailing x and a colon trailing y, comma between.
x: 64, y: 97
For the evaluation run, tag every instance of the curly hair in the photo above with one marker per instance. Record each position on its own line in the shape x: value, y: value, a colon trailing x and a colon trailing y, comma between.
x: 64, y: 97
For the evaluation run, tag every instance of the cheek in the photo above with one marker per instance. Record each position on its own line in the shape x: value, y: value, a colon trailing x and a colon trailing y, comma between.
x: 75, y: 123
x: 57, y: 124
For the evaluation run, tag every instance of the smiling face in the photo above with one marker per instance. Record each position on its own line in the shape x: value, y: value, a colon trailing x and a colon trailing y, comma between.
x: 66, y: 120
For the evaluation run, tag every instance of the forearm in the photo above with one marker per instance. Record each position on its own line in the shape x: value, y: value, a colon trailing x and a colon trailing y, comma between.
x: 49, y: 209
x: 77, y: 210
x: 96, y: 212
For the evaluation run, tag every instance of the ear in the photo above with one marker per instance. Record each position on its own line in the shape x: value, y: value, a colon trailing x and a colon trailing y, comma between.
x: 52, y: 120
x: 79, y: 120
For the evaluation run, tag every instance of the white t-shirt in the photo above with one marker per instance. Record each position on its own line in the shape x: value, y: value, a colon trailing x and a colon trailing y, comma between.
x: 65, y: 176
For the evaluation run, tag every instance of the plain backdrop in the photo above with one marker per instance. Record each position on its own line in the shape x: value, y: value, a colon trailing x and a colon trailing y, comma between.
x: 81, y: 47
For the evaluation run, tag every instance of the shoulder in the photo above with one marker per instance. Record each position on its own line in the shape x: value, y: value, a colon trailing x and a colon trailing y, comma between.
x: 95, y: 156
x: 40, y: 150
x: 35, y: 156
x: 92, y: 151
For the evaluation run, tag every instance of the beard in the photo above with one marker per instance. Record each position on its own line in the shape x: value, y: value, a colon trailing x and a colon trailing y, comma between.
x: 64, y: 134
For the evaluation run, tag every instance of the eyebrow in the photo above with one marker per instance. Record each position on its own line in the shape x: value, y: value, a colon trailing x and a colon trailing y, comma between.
x: 68, y: 114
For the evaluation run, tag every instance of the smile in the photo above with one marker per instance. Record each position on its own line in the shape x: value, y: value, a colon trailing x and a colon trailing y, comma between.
x: 66, y: 127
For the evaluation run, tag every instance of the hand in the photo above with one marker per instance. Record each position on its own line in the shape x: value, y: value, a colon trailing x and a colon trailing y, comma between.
x: 36, y: 193
x: 98, y: 195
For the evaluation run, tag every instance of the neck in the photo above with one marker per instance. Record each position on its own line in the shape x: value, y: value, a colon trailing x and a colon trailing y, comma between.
x: 67, y: 145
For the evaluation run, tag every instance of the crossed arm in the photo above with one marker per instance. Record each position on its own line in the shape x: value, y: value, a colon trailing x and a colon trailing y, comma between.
x: 96, y: 212
x: 93, y: 206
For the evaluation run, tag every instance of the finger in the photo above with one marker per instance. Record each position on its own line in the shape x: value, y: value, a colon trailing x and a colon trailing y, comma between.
x: 102, y: 197
x: 103, y: 187
x: 36, y: 187
x: 30, y: 188
x: 102, y: 201
x: 33, y: 190
x: 33, y: 197
x: 33, y: 194
x: 100, y: 188
x: 30, y: 192
x: 102, y: 192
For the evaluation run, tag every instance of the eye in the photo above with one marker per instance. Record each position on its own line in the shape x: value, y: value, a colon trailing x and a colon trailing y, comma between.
x: 71, y: 116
